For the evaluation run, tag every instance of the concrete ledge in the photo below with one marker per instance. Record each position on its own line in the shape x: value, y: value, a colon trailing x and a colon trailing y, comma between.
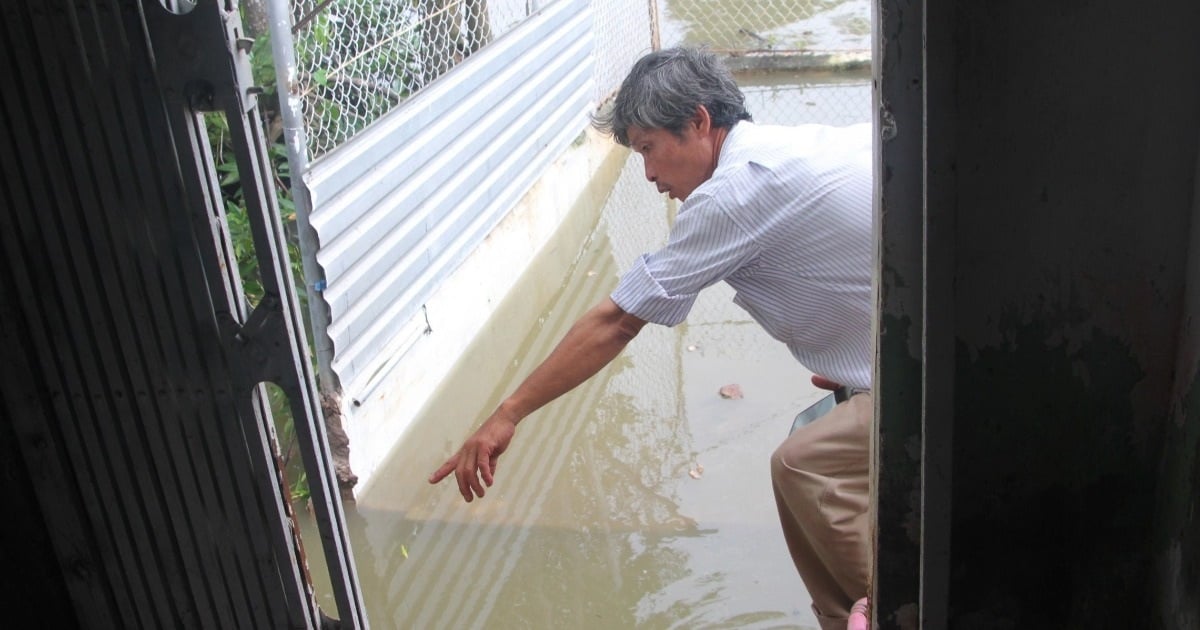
x: 797, y: 61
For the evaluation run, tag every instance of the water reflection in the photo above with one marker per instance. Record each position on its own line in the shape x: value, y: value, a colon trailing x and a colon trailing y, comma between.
x: 767, y: 24
x: 842, y: 98
x: 642, y: 499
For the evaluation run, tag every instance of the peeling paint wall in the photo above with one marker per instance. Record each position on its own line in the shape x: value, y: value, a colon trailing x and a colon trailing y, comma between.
x: 1076, y: 128
x: 1059, y: 153
x: 1177, y: 539
x: 896, y: 447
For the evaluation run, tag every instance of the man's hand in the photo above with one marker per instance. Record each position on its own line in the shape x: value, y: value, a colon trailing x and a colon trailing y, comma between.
x: 478, y: 456
x: 589, y: 345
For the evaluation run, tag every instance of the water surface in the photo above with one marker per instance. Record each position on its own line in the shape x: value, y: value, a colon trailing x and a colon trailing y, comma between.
x: 640, y: 500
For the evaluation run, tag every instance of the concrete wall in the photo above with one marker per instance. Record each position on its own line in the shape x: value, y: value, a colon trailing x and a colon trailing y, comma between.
x: 1034, y: 278
x: 569, y: 196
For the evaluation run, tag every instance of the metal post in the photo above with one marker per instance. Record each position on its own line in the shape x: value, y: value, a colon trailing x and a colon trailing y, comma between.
x: 283, y: 51
x: 655, y: 38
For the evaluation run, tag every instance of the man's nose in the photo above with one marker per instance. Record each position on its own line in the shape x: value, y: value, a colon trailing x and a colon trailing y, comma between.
x: 651, y: 176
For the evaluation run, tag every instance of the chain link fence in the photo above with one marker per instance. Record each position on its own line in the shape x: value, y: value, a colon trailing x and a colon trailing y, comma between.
x: 359, y: 59
x: 623, y: 31
x: 739, y: 26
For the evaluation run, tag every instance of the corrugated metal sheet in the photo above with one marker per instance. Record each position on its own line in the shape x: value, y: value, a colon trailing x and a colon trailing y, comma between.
x: 412, y: 596
x: 132, y: 368
x: 399, y: 207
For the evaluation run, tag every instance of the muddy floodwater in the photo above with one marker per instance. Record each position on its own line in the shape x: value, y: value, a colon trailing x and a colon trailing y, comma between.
x: 640, y: 500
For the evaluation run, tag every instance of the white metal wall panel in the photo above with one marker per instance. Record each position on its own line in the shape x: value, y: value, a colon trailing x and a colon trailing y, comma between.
x: 399, y: 207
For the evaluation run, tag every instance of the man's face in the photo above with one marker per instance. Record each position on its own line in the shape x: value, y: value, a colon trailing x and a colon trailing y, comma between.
x: 676, y: 164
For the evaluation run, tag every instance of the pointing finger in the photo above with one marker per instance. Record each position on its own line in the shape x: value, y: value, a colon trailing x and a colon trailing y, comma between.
x: 441, y: 473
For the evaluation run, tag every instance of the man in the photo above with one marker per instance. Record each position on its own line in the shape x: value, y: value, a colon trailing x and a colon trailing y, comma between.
x: 784, y: 216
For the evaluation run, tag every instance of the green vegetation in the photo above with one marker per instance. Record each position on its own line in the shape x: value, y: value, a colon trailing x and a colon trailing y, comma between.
x: 356, y: 62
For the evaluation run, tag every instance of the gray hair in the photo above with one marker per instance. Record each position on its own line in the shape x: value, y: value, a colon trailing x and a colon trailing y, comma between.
x: 665, y: 87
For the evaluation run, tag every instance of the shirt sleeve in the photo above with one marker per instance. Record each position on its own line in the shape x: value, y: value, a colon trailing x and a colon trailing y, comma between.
x: 705, y: 246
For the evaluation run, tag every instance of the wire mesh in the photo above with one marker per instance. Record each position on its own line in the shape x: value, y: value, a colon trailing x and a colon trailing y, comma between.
x: 623, y: 31
x: 359, y: 59
x: 767, y: 25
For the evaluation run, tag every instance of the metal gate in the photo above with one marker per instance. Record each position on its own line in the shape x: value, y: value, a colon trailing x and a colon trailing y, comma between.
x: 134, y: 370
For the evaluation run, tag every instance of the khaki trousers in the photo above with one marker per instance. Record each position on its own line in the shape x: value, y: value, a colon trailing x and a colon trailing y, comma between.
x: 820, y: 475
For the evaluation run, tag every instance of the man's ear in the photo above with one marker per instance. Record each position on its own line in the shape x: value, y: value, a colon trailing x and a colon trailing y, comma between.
x: 702, y: 121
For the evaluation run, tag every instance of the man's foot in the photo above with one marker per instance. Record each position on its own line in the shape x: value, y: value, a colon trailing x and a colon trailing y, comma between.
x: 859, y: 619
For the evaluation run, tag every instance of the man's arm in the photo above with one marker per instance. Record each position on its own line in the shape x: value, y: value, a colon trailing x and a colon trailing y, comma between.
x: 591, y: 343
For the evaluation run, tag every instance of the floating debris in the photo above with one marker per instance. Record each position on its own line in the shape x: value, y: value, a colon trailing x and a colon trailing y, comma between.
x: 732, y: 390
x: 693, y: 348
x: 697, y: 471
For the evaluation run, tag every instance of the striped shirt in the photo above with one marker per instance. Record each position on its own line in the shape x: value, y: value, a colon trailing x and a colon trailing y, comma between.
x: 785, y: 219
